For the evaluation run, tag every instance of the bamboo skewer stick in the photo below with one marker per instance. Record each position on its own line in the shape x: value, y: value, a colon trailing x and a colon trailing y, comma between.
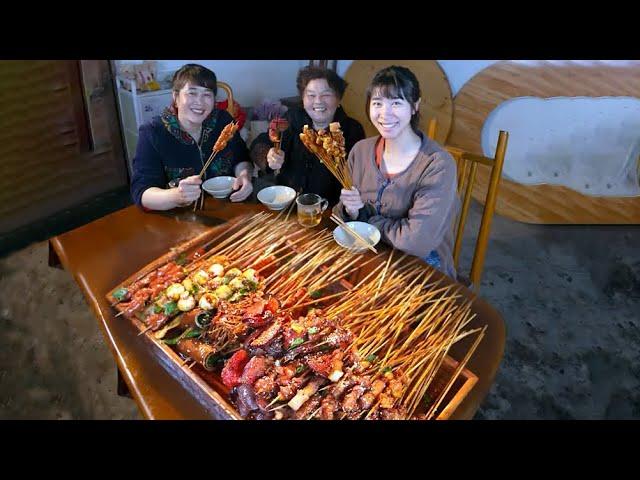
x: 353, y: 233
x: 225, y: 135
x: 145, y: 330
x: 384, y: 274
x: 456, y: 374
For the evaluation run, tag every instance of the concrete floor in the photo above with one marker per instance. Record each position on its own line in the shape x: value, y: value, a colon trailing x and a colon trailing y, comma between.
x: 570, y: 297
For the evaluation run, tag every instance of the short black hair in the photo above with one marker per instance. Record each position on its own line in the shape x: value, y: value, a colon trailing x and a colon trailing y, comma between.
x: 197, y: 75
x: 335, y: 81
x: 396, y: 82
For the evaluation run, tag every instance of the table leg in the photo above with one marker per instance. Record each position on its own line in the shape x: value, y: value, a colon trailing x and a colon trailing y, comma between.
x: 54, y: 260
x: 123, y: 389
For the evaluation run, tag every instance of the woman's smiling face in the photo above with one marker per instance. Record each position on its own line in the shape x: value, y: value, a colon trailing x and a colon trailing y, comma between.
x: 194, y: 103
x: 391, y: 116
x: 320, y: 102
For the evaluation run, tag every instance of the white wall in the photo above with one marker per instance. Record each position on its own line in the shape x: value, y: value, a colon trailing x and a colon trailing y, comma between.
x: 458, y: 71
x: 251, y: 80
x: 254, y: 80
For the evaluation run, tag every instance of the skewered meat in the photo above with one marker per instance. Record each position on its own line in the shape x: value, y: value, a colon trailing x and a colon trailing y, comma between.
x: 289, y: 389
x: 233, y: 368
x: 305, y: 393
x: 266, y: 386
x: 309, y: 407
x: 227, y: 133
x: 275, y: 348
x: 245, y: 399
x: 267, y: 335
x: 156, y: 320
x: 295, y: 298
x: 350, y: 401
x: 329, y: 407
x: 367, y: 400
x: 254, y: 369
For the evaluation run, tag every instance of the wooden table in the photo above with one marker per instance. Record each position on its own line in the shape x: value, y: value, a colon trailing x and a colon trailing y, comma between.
x: 103, y: 253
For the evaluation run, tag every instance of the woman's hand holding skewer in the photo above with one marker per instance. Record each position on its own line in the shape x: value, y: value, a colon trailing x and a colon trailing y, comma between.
x: 188, y: 190
x: 352, y: 201
x: 275, y: 158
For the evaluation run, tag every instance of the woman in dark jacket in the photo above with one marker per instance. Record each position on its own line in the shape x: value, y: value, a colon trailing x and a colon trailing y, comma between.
x: 321, y: 91
x: 173, y: 148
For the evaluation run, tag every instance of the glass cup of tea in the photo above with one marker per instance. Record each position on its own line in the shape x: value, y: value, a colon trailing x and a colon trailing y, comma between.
x: 310, y: 207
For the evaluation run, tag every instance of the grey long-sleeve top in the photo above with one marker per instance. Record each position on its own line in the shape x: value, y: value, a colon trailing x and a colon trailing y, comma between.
x: 415, y: 209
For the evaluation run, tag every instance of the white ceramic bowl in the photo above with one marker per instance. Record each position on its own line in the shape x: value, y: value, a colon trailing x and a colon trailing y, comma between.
x: 277, y: 197
x: 219, y: 187
x: 365, y: 230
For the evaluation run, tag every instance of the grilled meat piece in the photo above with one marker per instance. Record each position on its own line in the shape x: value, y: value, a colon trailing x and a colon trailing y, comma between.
x: 255, y: 368
x: 275, y: 348
x: 288, y: 390
x: 308, y: 407
x: 393, y: 414
x: 156, y: 320
x: 266, y: 386
x: 267, y: 334
x: 233, y: 368
x: 350, y: 400
x: 344, y: 384
x: 321, y: 363
x: 367, y: 400
x: 299, y: 295
x: 329, y: 408
x: 245, y: 399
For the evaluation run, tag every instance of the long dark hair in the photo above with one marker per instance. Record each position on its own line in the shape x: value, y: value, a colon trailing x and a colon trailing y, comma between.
x: 396, y: 82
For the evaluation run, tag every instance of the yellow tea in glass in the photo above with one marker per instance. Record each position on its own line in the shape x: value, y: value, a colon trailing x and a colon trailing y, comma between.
x: 310, y: 207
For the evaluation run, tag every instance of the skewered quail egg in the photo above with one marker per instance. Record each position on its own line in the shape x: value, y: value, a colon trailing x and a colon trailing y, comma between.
x: 186, y: 304
x: 250, y: 274
x: 201, y: 277
x: 234, y: 272
x: 216, y: 270
x: 223, y: 292
x: 174, y: 291
x: 236, y: 283
x: 187, y: 284
x: 208, y: 301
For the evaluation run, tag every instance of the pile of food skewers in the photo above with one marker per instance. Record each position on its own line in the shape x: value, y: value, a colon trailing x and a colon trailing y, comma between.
x: 266, y: 304
x: 329, y: 147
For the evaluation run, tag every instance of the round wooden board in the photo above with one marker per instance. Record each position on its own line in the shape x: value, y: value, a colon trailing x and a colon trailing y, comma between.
x: 546, y: 204
x: 436, y: 93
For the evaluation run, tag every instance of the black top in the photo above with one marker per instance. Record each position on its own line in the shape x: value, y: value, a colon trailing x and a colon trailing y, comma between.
x: 166, y: 152
x: 301, y: 168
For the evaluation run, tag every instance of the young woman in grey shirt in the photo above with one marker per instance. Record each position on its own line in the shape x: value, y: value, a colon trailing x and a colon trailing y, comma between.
x: 404, y: 183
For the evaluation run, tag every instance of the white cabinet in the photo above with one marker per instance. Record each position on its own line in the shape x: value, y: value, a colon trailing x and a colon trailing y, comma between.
x: 137, y: 108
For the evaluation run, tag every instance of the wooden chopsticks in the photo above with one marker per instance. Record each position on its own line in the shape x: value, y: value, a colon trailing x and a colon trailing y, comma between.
x: 352, y: 232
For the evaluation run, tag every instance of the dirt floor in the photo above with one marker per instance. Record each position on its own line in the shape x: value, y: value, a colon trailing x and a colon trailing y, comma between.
x: 570, y: 297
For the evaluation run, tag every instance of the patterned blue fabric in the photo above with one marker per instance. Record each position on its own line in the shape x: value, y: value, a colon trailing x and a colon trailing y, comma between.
x: 433, y: 259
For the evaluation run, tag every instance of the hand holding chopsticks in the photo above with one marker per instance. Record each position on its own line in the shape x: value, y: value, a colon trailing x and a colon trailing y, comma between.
x: 352, y: 232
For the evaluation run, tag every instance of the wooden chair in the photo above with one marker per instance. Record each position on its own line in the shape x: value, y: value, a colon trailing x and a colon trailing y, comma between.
x: 467, y: 164
x: 230, y: 106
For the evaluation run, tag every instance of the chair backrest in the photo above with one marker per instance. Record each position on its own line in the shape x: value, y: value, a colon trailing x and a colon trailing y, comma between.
x: 230, y: 106
x: 467, y: 164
